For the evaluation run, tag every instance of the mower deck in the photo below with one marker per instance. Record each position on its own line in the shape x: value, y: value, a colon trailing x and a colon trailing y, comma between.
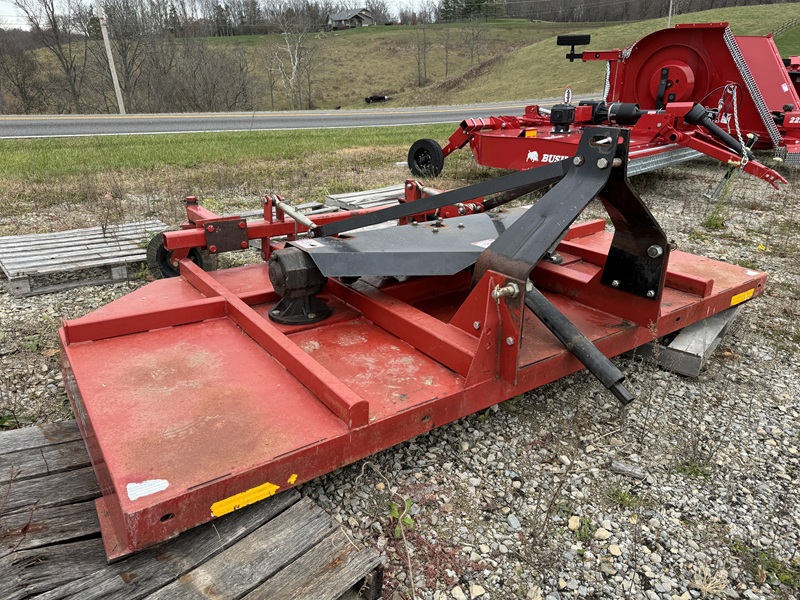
x: 193, y: 403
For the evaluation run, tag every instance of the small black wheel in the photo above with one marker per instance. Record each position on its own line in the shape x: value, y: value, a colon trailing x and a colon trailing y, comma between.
x: 159, y: 259
x: 426, y: 158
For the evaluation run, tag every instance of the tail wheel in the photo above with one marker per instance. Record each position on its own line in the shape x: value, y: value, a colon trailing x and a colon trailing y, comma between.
x: 159, y: 259
x: 426, y: 158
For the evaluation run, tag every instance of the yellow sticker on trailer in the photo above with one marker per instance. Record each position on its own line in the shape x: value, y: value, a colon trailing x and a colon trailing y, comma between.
x: 739, y: 298
x: 237, y: 501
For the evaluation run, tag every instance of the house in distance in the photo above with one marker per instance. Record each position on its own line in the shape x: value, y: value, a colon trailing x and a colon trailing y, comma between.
x: 360, y: 17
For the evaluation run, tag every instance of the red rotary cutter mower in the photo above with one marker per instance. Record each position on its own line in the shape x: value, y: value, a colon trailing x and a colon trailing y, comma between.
x: 683, y: 91
x: 203, y: 393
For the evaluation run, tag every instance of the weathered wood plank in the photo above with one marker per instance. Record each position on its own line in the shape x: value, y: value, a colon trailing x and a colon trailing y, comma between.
x: 78, y: 256
x: 146, y: 572
x: 46, y: 460
x: 111, y: 232
x: 33, y: 572
x: 355, y: 200
x: 691, y: 348
x: 56, y: 490
x: 326, y: 572
x: 49, y: 249
x: 38, y: 527
x: 38, y: 436
x: 246, y: 565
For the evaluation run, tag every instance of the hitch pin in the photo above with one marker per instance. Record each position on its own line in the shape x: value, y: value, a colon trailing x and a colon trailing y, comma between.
x: 510, y: 290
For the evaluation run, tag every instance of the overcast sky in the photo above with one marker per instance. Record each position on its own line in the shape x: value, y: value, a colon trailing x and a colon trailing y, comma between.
x: 9, y: 15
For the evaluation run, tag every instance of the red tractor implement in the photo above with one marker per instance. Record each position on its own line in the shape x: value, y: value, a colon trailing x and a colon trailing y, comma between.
x: 203, y: 393
x: 683, y: 91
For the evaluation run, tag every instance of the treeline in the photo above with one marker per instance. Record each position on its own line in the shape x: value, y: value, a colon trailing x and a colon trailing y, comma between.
x: 611, y: 10
x: 166, y: 61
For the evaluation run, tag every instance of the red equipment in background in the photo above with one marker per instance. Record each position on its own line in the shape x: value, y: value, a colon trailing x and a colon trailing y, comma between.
x: 200, y: 394
x: 680, y: 91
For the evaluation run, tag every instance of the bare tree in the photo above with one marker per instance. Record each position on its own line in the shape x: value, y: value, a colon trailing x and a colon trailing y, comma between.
x: 473, y: 39
x: 54, y: 23
x: 20, y: 73
x: 296, y: 58
x: 421, y: 48
x: 447, y: 39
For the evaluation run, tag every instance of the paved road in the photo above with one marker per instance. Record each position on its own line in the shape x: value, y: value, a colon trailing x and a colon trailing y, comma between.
x: 85, y: 125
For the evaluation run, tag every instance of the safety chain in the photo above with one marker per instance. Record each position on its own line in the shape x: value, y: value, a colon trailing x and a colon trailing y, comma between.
x: 731, y: 89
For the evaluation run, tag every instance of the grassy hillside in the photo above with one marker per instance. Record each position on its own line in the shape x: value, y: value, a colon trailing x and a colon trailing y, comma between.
x: 519, y: 59
x: 383, y: 60
x: 540, y: 70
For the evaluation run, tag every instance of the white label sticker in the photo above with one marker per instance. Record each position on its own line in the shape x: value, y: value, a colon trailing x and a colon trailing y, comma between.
x: 483, y: 244
x: 145, y: 488
x: 308, y: 244
x: 784, y: 87
x: 750, y: 273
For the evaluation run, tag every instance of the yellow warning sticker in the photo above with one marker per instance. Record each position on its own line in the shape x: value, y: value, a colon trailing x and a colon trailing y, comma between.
x: 739, y: 298
x: 292, y: 479
x: 223, y: 507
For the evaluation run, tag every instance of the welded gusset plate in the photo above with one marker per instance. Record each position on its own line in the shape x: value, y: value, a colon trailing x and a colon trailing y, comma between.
x: 226, y: 235
x: 406, y: 250
x: 639, y: 252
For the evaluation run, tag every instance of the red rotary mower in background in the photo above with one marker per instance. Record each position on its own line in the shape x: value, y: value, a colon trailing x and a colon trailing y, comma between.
x: 682, y: 91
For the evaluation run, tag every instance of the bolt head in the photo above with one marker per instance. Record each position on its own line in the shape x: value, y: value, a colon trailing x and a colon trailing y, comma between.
x: 602, y: 163
x: 244, y: 245
x: 651, y: 294
x: 509, y: 341
x: 435, y: 230
x: 212, y: 249
x: 615, y: 283
x: 461, y: 226
x: 210, y: 229
x: 655, y: 251
x: 242, y: 224
x: 477, y: 324
x: 578, y: 161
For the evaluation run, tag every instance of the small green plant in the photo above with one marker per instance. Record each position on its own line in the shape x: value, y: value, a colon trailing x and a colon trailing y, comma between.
x: 143, y: 274
x: 716, y: 218
x: 764, y: 567
x: 31, y: 343
x: 698, y: 235
x: 585, y: 532
x: 747, y: 263
x: 622, y: 496
x: 13, y: 421
x: 693, y: 469
x: 512, y: 405
x: 403, y: 518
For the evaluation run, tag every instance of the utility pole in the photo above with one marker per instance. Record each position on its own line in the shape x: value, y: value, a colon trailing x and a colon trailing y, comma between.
x: 669, y: 17
x: 102, y: 16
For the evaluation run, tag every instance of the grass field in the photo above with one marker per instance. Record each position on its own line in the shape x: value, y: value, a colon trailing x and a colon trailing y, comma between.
x: 308, y: 165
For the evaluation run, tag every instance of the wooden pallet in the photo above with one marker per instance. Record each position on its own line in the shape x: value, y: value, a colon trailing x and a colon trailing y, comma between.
x: 386, y: 196
x: 50, y: 547
x: 88, y: 256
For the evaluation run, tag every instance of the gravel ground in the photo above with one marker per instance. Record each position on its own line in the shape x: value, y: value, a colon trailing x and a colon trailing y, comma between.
x: 690, y: 492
